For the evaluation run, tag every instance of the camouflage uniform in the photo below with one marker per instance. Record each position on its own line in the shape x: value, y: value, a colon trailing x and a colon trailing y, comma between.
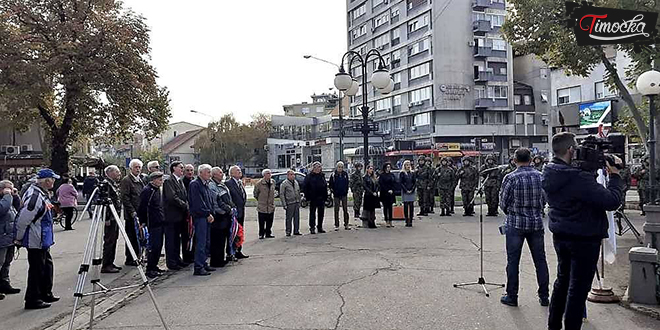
x: 642, y: 176
x: 538, y: 162
x: 491, y: 185
x: 625, y: 176
x: 430, y: 186
x: 445, y: 178
x: 422, y: 183
x: 469, y: 177
x: 454, y: 185
x: 512, y: 167
x: 357, y: 188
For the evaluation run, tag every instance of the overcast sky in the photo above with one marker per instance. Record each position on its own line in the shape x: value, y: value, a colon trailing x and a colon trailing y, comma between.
x: 243, y: 57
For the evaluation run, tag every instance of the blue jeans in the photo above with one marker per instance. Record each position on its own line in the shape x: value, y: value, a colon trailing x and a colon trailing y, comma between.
x: 576, y: 267
x: 515, y: 239
x: 201, y: 240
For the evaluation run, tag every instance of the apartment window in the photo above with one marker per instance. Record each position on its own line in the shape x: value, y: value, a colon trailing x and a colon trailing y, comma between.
x: 360, y: 31
x: 396, y: 77
x: 382, y: 19
x: 418, y: 23
x: 376, y: 3
x: 396, y: 100
x: 395, y: 34
x: 281, y: 161
x: 396, y: 56
x: 395, y: 12
x: 493, y: 118
x: 602, y: 91
x: 516, y: 99
x: 382, y: 40
x: 359, y: 11
x: 420, y: 95
x: 503, y: 71
x: 419, y: 71
x: 497, y: 92
x: 520, y: 119
x: 422, y: 119
x: 528, y: 99
x: 476, y: 16
x: 319, y: 109
x: 499, y: 44
x: 384, y: 104
x: 418, y: 47
x: 495, y: 20
x: 529, y: 118
x: 480, y: 92
x: 304, y: 111
x: 569, y: 95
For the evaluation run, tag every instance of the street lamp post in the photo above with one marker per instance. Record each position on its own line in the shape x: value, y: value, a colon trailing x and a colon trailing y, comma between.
x: 648, y: 84
x: 380, y: 79
x: 213, y: 141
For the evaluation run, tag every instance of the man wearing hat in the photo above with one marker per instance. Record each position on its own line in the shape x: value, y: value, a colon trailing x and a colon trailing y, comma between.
x: 151, y: 215
x: 34, y: 231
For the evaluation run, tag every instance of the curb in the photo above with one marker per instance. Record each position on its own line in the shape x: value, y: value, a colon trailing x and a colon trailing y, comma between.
x: 648, y: 310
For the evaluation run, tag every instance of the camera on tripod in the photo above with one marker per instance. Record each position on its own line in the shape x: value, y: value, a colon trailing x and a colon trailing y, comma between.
x: 590, y: 154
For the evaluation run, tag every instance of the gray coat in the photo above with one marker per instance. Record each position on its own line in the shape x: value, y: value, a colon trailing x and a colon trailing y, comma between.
x: 7, y: 216
x: 289, y: 192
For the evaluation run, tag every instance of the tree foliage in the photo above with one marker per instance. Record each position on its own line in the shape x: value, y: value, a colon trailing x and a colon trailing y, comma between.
x: 226, y: 141
x: 82, y: 68
x: 539, y: 27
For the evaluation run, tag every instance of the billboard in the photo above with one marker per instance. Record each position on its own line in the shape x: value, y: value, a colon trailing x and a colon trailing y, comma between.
x: 594, y: 114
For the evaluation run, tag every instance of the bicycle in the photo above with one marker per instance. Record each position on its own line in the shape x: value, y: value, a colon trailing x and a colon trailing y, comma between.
x: 60, y: 218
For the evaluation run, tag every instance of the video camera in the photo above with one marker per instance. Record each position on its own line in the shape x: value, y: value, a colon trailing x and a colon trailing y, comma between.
x: 590, y: 154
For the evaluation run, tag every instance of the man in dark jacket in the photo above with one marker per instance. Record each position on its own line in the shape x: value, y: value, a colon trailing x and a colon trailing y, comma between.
x: 578, y: 222
x: 111, y: 229
x: 239, y: 197
x: 89, y: 184
x: 152, y: 216
x: 188, y: 251
x: 339, y: 187
x: 131, y: 186
x: 201, y: 210
x: 8, y: 211
x: 222, y: 208
x: 316, y: 192
x: 175, y: 199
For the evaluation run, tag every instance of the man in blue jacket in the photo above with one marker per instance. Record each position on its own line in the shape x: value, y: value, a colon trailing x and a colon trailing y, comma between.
x: 339, y: 187
x: 578, y: 223
x: 151, y: 215
x: 201, y: 210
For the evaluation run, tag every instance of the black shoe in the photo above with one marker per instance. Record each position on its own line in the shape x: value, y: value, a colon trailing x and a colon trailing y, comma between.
x: 201, y: 272
x: 297, y: 234
x: 545, y: 302
x: 116, y: 267
x: 6, y: 288
x: 270, y: 236
x: 420, y: 214
x: 183, y: 264
x: 240, y: 255
x: 174, y: 267
x: 36, y: 305
x: 312, y: 231
x: 409, y: 225
x: 261, y: 236
x: 152, y: 274
x: 321, y: 231
x: 2, y: 296
x: 506, y: 300
x: 643, y: 214
x: 67, y: 229
x: 466, y: 214
x: 288, y: 235
x: 50, y: 298
x: 109, y: 270
x: 160, y: 270
x: 131, y: 263
x: 209, y: 269
x: 431, y: 212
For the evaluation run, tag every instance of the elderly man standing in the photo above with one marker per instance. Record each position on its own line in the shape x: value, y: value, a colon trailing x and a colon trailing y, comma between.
x: 152, y: 167
x: 34, y: 231
x: 316, y: 192
x: 290, y: 197
x: 111, y: 231
x: 152, y: 216
x: 175, y: 199
x: 339, y: 187
x: 239, y: 197
x: 8, y: 201
x: 187, y: 254
x: 201, y: 209
x: 222, y: 207
x: 264, y: 193
x: 131, y: 186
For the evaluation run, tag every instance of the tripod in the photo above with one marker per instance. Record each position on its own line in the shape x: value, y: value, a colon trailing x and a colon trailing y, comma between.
x: 621, y: 229
x: 92, y: 256
x: 481, y: 281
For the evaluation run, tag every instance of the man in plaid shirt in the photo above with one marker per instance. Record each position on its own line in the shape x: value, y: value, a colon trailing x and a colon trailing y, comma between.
x: 522, y: 199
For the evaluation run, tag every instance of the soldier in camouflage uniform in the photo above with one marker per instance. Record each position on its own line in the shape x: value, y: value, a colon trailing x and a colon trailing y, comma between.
x: 625, y: 176
x: 512, y: 167
x: 444, y: 179
x: 642, y: 176
x: 469, y: 177
x: 491, y: 185
x: 430, y: 187
x: 357, y: 188
x: 422, y: 183
x: 538, y: 162
x: 454, y: 185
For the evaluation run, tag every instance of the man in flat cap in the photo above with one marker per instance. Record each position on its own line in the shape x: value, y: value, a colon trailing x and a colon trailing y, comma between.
x: 151, y: 215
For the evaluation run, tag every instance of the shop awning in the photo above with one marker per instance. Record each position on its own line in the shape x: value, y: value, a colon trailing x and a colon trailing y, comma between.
x: 424, y: 152
x: 449, y: 154
x: 470, y: 153
x: 373, y: 151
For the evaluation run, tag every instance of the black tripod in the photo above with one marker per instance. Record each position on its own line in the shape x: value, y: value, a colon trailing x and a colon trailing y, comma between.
x: 481, y: 281
x: 620, y: 217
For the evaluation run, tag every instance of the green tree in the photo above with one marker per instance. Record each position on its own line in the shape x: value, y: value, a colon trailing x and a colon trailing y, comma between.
x: 153, y: 154
x: 537, y: 27
x: 81, y: 68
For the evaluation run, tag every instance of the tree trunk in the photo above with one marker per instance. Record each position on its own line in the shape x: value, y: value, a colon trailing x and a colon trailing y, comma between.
x: 59, y: 155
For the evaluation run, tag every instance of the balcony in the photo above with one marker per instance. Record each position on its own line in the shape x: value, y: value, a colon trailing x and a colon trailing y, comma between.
x: 490, y: 103
x: 485, y: 76
x: 481, y: 5
x: 483, y: 51
x: 474, y: 130
x: 481, y: 26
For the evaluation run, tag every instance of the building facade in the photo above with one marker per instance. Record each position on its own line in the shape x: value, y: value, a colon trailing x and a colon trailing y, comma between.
x: 452, y: 69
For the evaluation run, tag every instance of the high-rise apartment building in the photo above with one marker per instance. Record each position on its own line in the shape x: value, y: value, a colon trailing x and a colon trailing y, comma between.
x: 453, y: 72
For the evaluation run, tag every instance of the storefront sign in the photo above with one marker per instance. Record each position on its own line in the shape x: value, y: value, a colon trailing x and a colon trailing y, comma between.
x: 423, y: 144
x: 602, y: 26
x: 454, y: 92
x: 448, y: 146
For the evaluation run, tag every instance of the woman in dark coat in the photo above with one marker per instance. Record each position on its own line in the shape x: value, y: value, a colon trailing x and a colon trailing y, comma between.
x: 408, y: 180
x: 370, y: 201
x: 386, y: 184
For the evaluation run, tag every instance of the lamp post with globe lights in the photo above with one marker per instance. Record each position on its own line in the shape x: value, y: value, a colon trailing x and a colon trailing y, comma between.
x: 648, y: 84
x: 380, y: 80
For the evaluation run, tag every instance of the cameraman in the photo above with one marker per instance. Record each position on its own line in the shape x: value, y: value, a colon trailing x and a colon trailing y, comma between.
x: 578, y: 222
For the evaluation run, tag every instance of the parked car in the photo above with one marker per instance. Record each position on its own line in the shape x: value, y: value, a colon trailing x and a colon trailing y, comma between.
x: 280, y: 177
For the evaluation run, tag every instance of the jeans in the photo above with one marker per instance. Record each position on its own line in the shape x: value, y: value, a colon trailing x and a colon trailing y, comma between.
x: 292, y: 215
x: 6, y: 256
x: 155, y: 247
x: 344, y: 206
x: 387, y: 211
x: 40, y: 275
x: 313, y: 210
x: 201, y: 238
x: 265, y: 223
x: 409, y: 211
x: 515, y: 239
x: 110, y: 236
x: 172, y: 244
x: 576, y: 267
